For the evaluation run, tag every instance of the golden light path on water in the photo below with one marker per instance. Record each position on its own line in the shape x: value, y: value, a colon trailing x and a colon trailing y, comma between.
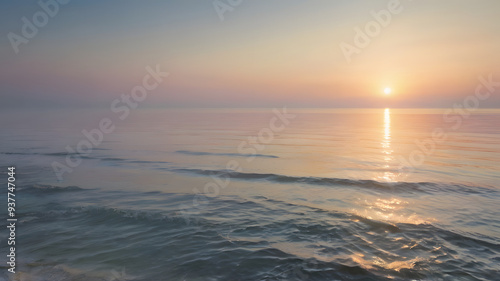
x: 390, y: 210
x: 387, y: 150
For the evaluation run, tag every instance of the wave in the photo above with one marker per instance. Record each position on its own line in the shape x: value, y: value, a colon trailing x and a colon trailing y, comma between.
x: 310, y: 242
x: 313, y: 242
x: 64, y: 154
x: 426, y: 187
x: 49, y: 188
x: 104, y: 158
x: 200, y: 153
x: 315, y: 224
x: 56, y: 154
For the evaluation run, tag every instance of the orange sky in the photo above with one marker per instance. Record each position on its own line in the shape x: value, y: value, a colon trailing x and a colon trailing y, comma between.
x: 261, y: 54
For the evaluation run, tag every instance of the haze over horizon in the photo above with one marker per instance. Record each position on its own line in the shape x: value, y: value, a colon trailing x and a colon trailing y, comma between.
x: 259, y: 54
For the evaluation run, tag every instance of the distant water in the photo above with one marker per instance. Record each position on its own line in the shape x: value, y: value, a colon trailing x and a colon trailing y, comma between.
x: 234, y: 195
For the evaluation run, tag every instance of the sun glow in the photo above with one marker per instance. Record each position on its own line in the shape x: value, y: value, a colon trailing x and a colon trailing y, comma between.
x: 387, y: 91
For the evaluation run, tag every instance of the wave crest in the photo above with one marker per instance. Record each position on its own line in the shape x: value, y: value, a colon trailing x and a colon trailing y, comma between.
x: 426, y: 187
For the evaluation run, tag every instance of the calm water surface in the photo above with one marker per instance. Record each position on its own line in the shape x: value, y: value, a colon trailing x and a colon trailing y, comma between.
x: 346, y: 194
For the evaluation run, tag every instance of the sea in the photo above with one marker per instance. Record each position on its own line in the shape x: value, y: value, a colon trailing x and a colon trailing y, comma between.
x: 251, y: 194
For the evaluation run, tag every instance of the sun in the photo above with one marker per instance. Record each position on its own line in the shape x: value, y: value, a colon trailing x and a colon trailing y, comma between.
x: 387, y: 90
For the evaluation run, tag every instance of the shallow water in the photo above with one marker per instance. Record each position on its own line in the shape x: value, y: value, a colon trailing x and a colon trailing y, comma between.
x: 199, y: 195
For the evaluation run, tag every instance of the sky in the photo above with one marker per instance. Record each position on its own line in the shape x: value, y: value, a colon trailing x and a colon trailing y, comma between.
x: 244, y: 53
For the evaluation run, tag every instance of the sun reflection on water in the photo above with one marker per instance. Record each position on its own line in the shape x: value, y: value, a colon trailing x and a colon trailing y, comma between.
x: 388, y: 213
x: 391, y: 210
x: 387, y: 176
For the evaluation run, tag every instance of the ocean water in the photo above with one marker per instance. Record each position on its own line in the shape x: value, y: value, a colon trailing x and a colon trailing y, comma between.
x: 251, y: 194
